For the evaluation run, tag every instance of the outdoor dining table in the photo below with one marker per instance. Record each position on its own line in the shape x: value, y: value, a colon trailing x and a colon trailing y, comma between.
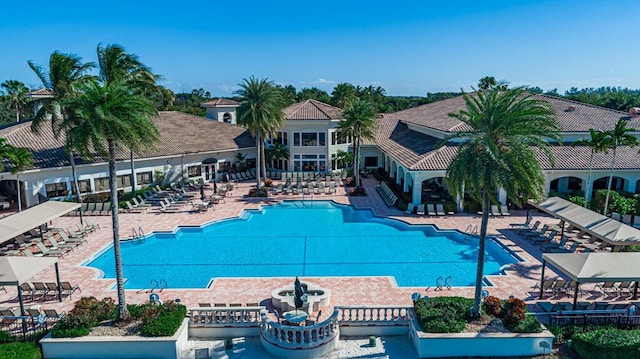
x: 296, y: 317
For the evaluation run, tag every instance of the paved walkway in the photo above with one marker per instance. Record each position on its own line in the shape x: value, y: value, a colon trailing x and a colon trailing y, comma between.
x: 518, y: 281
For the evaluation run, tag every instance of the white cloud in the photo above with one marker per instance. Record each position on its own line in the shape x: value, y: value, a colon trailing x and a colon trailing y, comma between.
x: 320, y: 81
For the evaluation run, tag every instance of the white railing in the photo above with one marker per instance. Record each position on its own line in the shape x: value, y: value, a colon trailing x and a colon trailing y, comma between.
x: 294, y: 337
x: 225, y: 316
x: 389, y: 315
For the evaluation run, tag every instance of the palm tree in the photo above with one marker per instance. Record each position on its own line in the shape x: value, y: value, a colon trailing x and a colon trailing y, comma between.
x: 498, y: 152
x: 343, y: 158
x: 101, y: 119
x: 620, y: 135
x: 16, y: 91
x: 115, y: 64
x: 276, y: 152
x: 5, y: 150
x: 343, y: 94
x: 65, y: 71
x: 19, y: 159
x: 261, y: 112
x: 598, y: 143
x: 359, y: 122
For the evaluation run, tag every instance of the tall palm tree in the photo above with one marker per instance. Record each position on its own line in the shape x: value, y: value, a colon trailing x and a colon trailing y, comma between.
x: 261, y: 112
x: 65, y: 71
x: 19, y: 159
x: 620, y: 135
x: 359, y: 121
x: 343, y: 95
x: 16, y: 91
x: 116, y: 64
x: 101, y: 119
x: 5, y: 150
x: 497, y: 152
x: 276, y: 152
x: 597, y: 142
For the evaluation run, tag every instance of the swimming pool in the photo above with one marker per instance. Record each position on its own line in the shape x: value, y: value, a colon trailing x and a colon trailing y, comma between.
x: 296, y: 238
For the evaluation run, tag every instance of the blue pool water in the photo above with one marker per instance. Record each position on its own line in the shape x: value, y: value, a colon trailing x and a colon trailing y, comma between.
x: 318, y: 238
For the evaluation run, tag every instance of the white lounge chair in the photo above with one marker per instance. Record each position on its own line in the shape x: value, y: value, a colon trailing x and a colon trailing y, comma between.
x: 431, y: 209
x: 440, y: 209
x: 410, y: 208
x: 420, y: 210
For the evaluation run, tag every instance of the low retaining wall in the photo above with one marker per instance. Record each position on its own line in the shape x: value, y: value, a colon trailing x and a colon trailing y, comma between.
x: 116, y: 347
x: 438, y: 345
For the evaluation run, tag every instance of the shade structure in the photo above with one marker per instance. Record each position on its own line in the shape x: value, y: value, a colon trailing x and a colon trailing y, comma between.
x: 33, y: 217
x: 593, y: 223
x: 594, y: 267
x: 18, y: 270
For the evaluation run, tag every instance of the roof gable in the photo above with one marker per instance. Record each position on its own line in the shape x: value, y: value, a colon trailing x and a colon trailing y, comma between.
x: 312, y: 110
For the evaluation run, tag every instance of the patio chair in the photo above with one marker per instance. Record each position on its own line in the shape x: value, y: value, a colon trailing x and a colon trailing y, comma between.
x: 535, y: 233
x: 204, y: 305
x: 554, y: 307
x: 40, y: 288
x: 440, y: 209
x: 332, y: 187
x: 528, y: 229
x: 522, y: 225
x: 572, y: 248
x: 27, y: 289
x: 606, y: 287
x: 62, y: 245
x: 52, y: 313
x: 69, y: 289
x: 44, y: 251
x: 546, y: 285
x: 420, y: 210
x: 495, y: 211
x: 320, y: 189
x: 409, y: 209
x: 63, y: 235
x: 7, y: 317
x: 504, y: 211
x: 431, y: 209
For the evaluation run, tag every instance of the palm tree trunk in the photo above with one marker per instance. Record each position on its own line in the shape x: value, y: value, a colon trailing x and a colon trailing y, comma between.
x: 264, y: 161
x: 588, y: 187
x: 74, y: 178
x: 19, y: 191
x: 475, y: 311
x: 356, y: 162
x: 123, y: 313
x: 606, y: 201
x: 258, y: 137
x: 17, y: 111
x: 133, y: 174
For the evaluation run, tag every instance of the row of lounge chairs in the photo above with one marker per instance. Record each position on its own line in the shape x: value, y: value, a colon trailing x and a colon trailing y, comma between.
x: 11, y: 320
x: 569, y: 242
x: 584, y: 307
x: 60, y: 242
x: 239, y: 176
x: 617, y: 287
x: 497, y: 211
x: 387, y: 194
x: 432, y: 209
x: 308, y: 189
x: 93, y: 209
x: 44, y: 290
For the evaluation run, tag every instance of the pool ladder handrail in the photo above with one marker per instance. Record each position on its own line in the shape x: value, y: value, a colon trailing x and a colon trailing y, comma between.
x: 471, y: 229
x: 443, y: 281
x: 158, y: 284
x: 137, y: 234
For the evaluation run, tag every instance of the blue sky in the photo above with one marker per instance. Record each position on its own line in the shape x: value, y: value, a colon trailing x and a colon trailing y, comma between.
x: 407, y: 47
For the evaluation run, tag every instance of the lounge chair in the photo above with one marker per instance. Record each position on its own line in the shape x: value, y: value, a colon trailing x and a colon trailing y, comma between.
x: 40, y: 288
x: 504, y: 211
x: 410, y: 208
x: 62, y: 245
x: 332, y: 187
x: 547, y: 284
x: 570, y: 249
x: 74, y: 234
x: 136, y: 203
x: 544, y: 237
x: 52, y: 313
x: 66, y: 239
x: 420, y: 210
x: 440, y: 209
x: 7, y: 317
x: 526, y: 223
x: 554, y: 307
x: 528, y: 229
x: 44, y: 251
x: 495, y: 211
x: 320, y: 189
x: 536, y: 232
x: 27, y: 289
x: 431, y: 209
x: 69, y: 289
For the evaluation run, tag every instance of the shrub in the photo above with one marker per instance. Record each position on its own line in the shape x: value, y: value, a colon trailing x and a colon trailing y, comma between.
x: 254, y: 192
x: 472, y: 206
x: 530, y: 324
x: 358, y: 191
x: 162, y: 320
x: 607, y: 344
x: 20, y: 350
x: 401, y: 204
x: 580, y: 201
x: 450, y: 207
x: 493, y: 306
x: 86, y: 313
x: 514, y: 312
x: 268, y: 182
x: 443, y: 314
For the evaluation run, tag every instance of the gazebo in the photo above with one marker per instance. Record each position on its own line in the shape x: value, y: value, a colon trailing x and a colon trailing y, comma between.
x: 14, y: 271
x: 594, y: 267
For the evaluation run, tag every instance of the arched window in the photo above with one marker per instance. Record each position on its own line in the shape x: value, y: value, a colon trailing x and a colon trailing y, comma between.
x: 226, y: 117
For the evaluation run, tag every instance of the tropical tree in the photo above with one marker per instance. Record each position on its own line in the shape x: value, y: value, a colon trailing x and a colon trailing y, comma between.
x: 359, y: 121
x: 314, y: 93
x: 65, y: 71
x: 343, y: 158
x: 343, y: 94
x: 597, y: 142
x: 5, y: 150
x: 101, y: 119
x: 620, y: 135
x: 16, y: 91
x: 19, y: 159
x: 116, y: 64
x: 276, y: 152
x: 498, y: 152
x: 261, y: 112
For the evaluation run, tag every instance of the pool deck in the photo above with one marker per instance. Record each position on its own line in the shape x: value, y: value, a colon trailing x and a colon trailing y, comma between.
x: 518, y: 280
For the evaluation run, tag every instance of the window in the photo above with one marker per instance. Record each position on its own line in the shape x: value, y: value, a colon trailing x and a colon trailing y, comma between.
x: 226, y: 118
x: 371, y: 161
x: 123, y: 181
x: 280, y: 138
x: 144, y: 178
x: 296, y: 138
x: 333, y: 162
x: 335, y: 139
x: 194, y: 171
x: 224, y: 167
x: 322, y: 139
x: 84, y: 185
x: 311, y: 163
x: 309, y: 139
x: 56, y: 189
x: 102, y: 184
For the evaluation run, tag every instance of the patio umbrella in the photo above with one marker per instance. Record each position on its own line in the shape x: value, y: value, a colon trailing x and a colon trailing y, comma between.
x: 297, y: 294
x: 215, y: 187
x: 202, y: 196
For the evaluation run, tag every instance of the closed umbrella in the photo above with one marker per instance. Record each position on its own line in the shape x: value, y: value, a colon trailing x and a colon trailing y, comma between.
x: 297, y: 294
x: 215, y: 187
x: 202, y: 196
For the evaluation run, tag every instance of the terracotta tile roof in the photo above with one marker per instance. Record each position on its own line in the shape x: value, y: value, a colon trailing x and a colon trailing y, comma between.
x: 572, y: 116
x: 43, y: 92
x: 179, y: 133
x: 417, y: 151
x: 220, y: 102
x: 312, y: 110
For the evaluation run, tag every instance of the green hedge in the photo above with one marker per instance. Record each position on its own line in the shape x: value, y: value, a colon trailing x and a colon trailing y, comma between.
x: 443, y: 314
x: 20, y: 350
x: 608, y: 344
x: 163, y: 320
